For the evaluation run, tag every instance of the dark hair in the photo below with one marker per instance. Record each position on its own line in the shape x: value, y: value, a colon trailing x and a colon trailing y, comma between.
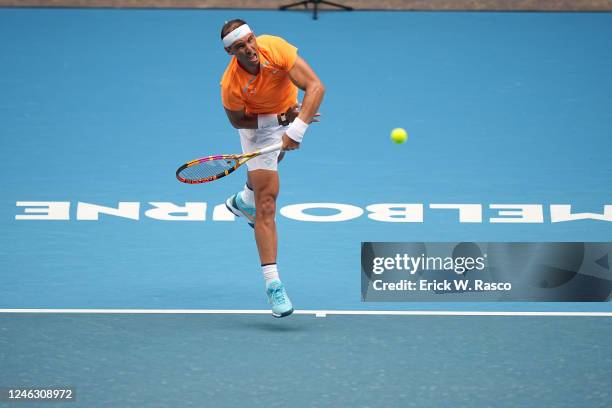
x: 230, y: 26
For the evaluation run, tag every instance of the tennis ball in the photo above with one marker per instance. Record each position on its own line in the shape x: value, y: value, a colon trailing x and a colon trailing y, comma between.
x: 399, y: 135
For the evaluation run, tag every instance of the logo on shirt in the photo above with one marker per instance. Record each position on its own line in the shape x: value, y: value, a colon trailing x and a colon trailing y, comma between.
x: 266, y: 64
x: 247, y: 89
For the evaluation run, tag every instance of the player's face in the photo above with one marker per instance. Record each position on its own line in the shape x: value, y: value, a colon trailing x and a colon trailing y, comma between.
x: 245, y: 50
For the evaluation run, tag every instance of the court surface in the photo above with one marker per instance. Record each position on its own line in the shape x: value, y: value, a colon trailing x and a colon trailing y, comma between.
x: 100, y: 107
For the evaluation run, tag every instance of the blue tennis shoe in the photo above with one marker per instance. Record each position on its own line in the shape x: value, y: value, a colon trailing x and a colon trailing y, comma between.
x: 281, y: 305
x: 240, y: 209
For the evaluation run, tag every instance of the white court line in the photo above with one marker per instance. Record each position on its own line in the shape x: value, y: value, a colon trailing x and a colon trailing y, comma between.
x: 317, y: 313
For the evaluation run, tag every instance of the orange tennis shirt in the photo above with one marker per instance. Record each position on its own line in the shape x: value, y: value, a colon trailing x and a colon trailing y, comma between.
x: 271, y: 90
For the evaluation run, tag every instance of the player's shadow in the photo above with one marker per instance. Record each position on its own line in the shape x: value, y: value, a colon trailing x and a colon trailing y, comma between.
x: 274, y: 327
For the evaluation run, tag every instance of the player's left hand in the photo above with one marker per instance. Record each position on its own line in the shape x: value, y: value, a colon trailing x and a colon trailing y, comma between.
x: 289, y: 143
x: 294, y: 111
x: 316, y: 118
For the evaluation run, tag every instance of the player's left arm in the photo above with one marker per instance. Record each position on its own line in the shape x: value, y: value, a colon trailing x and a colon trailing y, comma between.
x: 305, y: 78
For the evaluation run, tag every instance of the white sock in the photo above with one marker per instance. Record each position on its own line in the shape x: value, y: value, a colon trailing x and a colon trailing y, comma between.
x: 248, y: 196
x: 270, y: 272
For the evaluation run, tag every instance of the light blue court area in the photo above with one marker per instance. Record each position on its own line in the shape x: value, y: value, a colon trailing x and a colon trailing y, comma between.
x: 99, y: 107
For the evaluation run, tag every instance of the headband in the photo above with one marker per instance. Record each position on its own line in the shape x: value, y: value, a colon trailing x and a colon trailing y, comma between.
x: 235, y: 34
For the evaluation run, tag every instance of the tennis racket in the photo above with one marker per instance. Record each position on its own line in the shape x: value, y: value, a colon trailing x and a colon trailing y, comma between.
x: 212, y: 168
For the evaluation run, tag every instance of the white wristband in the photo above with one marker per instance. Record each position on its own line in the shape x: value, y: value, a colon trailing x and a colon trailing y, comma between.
x: 296, y: 130
x: 266, y: 121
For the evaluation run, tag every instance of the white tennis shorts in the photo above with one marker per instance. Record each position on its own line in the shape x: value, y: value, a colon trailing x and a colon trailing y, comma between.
x: 255, y: 139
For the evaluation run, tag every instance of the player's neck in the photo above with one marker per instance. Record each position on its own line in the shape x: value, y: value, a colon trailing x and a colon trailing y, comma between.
x: 252, y: 69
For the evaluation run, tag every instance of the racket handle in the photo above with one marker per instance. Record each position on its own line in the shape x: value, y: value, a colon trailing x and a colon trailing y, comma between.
x: 271, y: 148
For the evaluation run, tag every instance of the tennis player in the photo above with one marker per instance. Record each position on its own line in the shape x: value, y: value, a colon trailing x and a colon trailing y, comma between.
x: 259, y: 92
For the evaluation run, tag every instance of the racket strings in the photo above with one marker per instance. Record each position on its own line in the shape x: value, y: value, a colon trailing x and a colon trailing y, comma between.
x: 207, y: 169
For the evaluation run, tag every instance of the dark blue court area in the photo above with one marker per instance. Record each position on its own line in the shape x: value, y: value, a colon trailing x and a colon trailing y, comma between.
x: 136, y: 290
x: 160, y: 361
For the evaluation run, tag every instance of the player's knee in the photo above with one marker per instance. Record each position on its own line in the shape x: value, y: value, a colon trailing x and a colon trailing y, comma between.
x: 266, y: 206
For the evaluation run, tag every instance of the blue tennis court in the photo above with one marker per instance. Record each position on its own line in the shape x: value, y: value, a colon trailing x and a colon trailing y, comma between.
x: 162, y: 303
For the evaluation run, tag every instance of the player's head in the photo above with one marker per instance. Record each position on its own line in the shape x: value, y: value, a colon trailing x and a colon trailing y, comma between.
x: 239, y: 40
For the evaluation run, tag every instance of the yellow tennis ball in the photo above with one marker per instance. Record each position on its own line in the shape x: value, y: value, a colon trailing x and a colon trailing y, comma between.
x: 399, y: 135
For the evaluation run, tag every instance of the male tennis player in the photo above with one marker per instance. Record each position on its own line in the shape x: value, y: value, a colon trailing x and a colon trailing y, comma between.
x: 259, y: 92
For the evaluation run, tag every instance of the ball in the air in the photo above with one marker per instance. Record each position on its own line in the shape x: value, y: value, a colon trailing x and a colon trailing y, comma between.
x: 399, y: 135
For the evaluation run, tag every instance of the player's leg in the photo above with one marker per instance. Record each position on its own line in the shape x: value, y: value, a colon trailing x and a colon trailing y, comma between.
x: 242, y: 203
x: 266, y: 186
x: 257, y: 203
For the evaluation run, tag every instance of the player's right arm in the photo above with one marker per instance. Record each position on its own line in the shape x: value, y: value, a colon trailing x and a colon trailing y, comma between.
x: 241, y: 120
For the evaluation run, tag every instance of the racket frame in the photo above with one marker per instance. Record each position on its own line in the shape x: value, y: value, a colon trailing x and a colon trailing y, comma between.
x: 239, y: 159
